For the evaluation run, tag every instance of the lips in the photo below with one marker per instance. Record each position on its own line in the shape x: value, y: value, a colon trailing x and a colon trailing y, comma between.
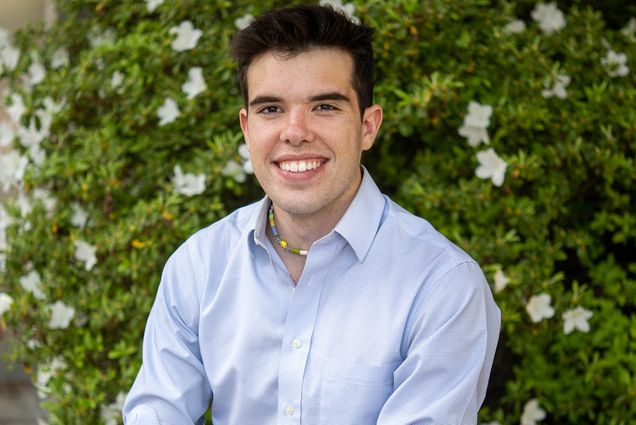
x: 300, y: 165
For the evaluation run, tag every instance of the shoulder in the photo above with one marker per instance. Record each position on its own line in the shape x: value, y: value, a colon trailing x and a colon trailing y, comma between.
x: 203, y: 255
x: 416, y: 234
x: 223, y: 233
x: 213, y: 243
x: 427, y: 255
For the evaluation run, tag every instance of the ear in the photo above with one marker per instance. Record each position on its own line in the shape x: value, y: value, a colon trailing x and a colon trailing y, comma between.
x: 371, y: 121
x: 243, y: 122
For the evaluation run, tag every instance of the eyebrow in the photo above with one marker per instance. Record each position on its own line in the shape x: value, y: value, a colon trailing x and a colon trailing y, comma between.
x: 337, y: 96
x: 259, y: 100
x: 333, y: 96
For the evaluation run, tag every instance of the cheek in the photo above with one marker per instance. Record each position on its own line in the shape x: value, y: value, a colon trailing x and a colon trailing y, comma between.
x: 261, y: 143
x: 263, y: 133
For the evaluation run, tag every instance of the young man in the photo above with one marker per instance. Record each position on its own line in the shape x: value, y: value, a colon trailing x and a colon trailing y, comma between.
x: 324, y: 303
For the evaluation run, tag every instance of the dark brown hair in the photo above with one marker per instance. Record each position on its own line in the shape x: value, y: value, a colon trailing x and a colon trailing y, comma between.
x: 298, y: 29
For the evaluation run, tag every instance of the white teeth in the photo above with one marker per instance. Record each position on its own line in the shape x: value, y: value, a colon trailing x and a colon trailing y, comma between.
x: 300, y: 166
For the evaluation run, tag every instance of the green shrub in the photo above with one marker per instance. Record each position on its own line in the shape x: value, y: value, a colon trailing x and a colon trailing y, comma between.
x: 551, y: 220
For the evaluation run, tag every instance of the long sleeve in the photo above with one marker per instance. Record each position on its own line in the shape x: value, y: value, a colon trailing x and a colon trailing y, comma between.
x: 171, y: 387
x: 449, y: 349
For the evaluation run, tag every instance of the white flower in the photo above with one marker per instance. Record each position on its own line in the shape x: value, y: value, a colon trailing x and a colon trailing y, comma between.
x: 576, y: 318
x: 549, y: 17
x: 153, y: 4
x: 5, y: 219
x: 630, y: 29
x: 85, y: 252
x: 491, y: 166
x: 514, y: 27
x: 116, y: 79
x: 46, y: 115
x: 187, y: 36
x: 9, y: 57
x: 5, y: 303
x: 33, y: 344
x: 475, y: 135
x: 45, y: 373
x: 6, y: 135
x: 59, y: 58
x: 244, y: 21
x: 37, y: 155
x: 31, y: 135
x: 61, y: 315
x: 556, y: 88
x: 235, y: 170
x: 24, y: 203
x: 37, y: 73
x: 3, y: 256
x: 539, y: 307
x: 188, y: 184
x: 501, y: 280
x: 532, y: 413
x: 12, y: 168
x: 45, y: 197
x: 98, y: 38
x: 195, y: 84
x: 99, y: 63
x: 112, y: 412
x: 348, y: 9
x: 245, y: 156
x: 80, y: 216
x: 475, y: 124
x: 31, y: 282
x: 615, y: 63
x: 52, y: 107
x: 4, y: 37
x: 17, y: 108
x: 478, y: 115
x: 168, y: 112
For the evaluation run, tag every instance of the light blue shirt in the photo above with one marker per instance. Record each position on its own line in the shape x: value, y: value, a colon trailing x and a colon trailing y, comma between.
x: 390, y: 323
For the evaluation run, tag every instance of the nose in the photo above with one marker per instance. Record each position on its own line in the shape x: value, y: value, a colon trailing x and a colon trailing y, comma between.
x: 296, y: 128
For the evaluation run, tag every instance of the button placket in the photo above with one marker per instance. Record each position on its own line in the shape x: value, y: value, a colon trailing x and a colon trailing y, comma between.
x: 289, y: 410
x: 301, y: 319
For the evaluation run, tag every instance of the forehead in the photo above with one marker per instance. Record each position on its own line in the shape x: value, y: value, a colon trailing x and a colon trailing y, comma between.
x: 319, y: 68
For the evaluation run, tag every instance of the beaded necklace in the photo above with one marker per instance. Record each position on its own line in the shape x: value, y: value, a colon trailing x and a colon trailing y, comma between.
x: 280, y: 241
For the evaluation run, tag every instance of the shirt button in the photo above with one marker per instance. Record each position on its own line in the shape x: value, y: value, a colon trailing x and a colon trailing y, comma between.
x: 296, y: 343
x: 289, y: 410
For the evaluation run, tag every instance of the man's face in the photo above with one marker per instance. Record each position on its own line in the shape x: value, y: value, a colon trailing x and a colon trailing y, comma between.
x: 303, y: 129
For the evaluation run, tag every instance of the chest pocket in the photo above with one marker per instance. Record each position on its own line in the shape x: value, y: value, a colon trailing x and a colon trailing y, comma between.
x: 353, y: 393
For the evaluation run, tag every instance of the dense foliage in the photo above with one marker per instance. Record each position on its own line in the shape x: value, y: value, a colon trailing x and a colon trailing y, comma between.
x: 510, y: 126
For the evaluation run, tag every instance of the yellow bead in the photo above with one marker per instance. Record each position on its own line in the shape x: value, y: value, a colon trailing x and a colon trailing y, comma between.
x: 283, y: 244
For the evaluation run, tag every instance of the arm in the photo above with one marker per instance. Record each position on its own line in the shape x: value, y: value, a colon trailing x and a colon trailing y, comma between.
x: 449, y: 347
x: 171, y: 387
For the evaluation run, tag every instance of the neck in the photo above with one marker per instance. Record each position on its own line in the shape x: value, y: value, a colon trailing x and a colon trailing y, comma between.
x: 302, y: 230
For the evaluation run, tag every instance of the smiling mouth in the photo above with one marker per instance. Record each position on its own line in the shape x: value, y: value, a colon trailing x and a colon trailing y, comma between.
x: 300, y: 166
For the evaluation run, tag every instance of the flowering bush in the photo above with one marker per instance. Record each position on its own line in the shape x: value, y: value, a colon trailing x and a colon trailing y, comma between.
x: 510, y: 126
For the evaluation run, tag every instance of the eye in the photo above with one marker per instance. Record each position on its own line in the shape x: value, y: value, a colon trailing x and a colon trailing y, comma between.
x: 326, y: 107
x: 269, y: 110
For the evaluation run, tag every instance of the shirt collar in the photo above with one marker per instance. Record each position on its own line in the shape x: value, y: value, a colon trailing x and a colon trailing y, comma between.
x: 358, y: 226
x: 258, y: 221
x: 361, y: 221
